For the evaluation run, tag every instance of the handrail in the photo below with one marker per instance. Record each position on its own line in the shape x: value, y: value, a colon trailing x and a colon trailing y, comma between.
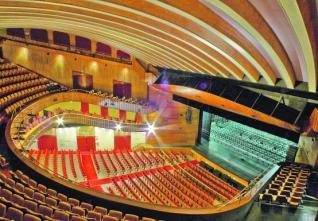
x: 253, y: 186
x: 68, y: 49
x: 109, y: 102
x: 70, y: 117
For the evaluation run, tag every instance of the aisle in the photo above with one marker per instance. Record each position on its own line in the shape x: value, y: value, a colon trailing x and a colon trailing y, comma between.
x: 88, y: 166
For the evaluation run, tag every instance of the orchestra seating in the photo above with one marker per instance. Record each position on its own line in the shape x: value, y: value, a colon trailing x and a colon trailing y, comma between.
x: 288, y: 186
x: 172, y: 178
x: 262, y: 147
x: 20, y: 86
x: 23, y: 199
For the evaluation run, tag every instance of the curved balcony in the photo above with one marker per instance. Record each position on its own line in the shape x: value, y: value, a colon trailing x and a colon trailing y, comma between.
x: 228, y: 210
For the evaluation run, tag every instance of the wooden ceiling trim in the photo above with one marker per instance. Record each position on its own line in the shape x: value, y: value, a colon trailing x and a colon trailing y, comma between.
x: 295, y: 18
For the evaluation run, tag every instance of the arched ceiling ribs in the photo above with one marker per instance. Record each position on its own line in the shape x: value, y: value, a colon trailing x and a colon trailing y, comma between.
x: 217, y: 65
x: 292, y: 12
x: 198, y: 50
x: 107, y: 35
x: 280, y: 61
x: 148, y: 57
x: 236, y: 39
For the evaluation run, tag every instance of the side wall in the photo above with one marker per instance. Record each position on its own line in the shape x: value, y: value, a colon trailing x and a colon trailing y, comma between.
x: 172, y: 128
x: 59, y: 65
x: 308, y: 151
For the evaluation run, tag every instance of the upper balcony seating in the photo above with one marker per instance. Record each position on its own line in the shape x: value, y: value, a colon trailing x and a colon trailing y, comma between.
x: 288, y: 186
x: 20, y: 86
x: 21, y: 198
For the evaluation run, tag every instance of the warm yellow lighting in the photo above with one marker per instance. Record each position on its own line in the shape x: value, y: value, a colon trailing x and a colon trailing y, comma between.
x: 59, y: 63
x: 124, y: 73
x: 23, y: 55
x: 93, y: 67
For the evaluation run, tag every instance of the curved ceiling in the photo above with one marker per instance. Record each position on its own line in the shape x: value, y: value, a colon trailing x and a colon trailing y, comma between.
x: 259, y: 41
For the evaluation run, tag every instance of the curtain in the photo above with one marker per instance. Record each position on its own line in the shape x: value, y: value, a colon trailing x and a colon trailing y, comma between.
x: 84, y: 108
x: 47, y: 142
x: 122, y: 115
x: 122, y: 143
x: 138, y: 117
x: 86, y: 143
x: 104, y: 111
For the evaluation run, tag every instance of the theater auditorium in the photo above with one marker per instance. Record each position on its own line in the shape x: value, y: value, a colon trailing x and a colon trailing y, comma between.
x: 158, y: 110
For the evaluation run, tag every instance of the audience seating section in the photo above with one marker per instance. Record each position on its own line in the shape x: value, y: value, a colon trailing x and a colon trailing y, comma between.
x: 22, y: 199
x: 20, y: 86
x: 171, y: 178
x: 288, y: 186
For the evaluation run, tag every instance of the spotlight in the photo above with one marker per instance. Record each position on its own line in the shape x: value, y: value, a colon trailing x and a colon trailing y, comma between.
x: 203, y: 86
x: 151, y: 128
x: 118, y: 127
x: 60, y: 121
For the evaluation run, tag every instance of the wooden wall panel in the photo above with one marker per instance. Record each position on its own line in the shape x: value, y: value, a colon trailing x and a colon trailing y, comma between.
x: 172, y: 129
x: 59, y: 65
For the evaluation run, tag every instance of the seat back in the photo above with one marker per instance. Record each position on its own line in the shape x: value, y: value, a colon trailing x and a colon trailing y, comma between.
x: 50, y: 201
x: 19, y: 187
x: 115, y: 213
x: 109, y: 218
x: 10, y: 182
x: 3, y: 209
x: 64, y: 206
x: 62, y: 197
x: 45, y: 210
x: 39, y: 197
x: 87, y: 206
x: 78, y: 218
x: 51, y: 192
x: 29, y: 192
x: 29, y: 217
x: 42, y: 188
x: 18, y: 199
x: 131, y: 217
x: 61, y: 215
x: 78, y: 210
x: 14, y: 214
x: 7, y: 194
x: 101, y: 210
x: 31, y: 205
x: 32, y: 183
x: 73, y: 202
x: 94, y: 215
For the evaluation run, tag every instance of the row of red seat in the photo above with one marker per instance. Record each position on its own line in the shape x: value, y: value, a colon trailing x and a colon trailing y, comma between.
x: 222, y: 189
x: 141, y: 175
x: 106, y: 163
